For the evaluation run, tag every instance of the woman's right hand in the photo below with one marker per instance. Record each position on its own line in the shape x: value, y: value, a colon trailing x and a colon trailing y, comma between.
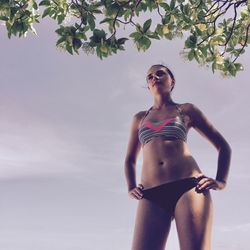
x: 136, y: 193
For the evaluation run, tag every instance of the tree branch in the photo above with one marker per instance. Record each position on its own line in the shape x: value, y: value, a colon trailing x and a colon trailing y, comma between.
x: 232, y: 30
x: 245, y: 43
x: 214, y: 24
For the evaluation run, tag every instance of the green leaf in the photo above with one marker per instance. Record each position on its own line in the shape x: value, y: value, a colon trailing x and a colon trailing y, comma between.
x: 146, y: 25
x: 81, y: 35
x: 144, y: 6
x: 193, y: 38
x: 186, y: 27
x: 60, y: 18
x: 77, y: 43
x: 96, y: 11
x: 104, y: 49
x: 166, y: 19
x: 4, y: 18
x: 188, y: 44
x: 106, y: 20
x: 226, y: 63
x: 69, y: 49
x: 191, y: 41
x: 232, y: 69
x: 121, y: 41
x: 91, y: 21
x: 46, y: 12
x: 136, y: 35
x: 172, y: 4
x: 144, y: 43
x: 98, y: 52
x: 238, y: 66
x: 45, y: 3
x: 60, y: 31
x: 99, y: 33
x: 213, y: 66
x: 199, y: 32
x: 165, y: 6
x: 204, y: 51
x: 34, y: 5
x: 230, y: 49
x: 72, y: 30
x: 191, y: 55
x: 127, y: 13
x: 201, y: 15
x: 153, y: 35
x: 196, y: 56
x: 187, y: 9
x: 60, y: 40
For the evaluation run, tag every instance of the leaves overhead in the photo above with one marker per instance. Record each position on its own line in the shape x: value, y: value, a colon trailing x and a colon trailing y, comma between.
x: 216, y: 33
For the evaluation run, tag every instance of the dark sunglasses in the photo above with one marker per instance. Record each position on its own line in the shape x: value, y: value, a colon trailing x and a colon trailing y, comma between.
x: 158, y: 73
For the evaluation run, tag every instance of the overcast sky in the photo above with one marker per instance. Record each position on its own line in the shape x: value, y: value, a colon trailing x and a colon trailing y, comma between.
x: 64, y: 128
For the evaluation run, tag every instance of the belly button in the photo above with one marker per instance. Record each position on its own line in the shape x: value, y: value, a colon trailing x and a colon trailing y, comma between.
x: 161, y: 162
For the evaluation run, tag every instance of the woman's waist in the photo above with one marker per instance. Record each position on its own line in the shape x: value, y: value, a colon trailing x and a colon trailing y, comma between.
x: 167, y: 159
x: 159, y: 172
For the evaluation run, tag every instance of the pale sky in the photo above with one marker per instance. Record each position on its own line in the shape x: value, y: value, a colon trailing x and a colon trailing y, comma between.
x: 64, y: 128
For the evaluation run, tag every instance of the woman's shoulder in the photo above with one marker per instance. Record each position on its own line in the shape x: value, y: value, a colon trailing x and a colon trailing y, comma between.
x: 194, y: 114
x: 188, y: 108
x: 139, y: 115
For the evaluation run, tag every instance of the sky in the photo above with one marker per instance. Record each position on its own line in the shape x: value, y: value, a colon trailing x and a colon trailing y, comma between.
x: 64, y: 129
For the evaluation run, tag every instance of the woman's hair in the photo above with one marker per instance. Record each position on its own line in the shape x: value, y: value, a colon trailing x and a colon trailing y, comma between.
x: 168, y: 70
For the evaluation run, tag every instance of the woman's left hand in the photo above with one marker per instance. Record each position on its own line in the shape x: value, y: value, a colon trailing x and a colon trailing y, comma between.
x: 207, y: 183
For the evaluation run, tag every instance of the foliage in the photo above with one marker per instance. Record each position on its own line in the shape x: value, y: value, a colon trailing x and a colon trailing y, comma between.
x: 216, y: 32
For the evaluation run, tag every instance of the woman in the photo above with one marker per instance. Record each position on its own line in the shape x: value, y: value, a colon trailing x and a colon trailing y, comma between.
x: 172, y: 184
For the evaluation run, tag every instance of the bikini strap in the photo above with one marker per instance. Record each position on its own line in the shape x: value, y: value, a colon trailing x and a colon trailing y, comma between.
x: 180, y: 111
x: 144, y: 116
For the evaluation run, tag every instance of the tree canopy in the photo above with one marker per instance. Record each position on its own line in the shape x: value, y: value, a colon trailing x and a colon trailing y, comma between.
x: 215, y: 32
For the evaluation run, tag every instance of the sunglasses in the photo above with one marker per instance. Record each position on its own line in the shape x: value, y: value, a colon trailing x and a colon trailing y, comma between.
x: 158, y: 73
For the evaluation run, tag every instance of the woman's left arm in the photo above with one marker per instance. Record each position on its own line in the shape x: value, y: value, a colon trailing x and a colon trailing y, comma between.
x: 201, y: 124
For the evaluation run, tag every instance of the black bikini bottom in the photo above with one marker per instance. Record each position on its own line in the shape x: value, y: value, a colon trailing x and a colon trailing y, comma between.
x: 167, y: 195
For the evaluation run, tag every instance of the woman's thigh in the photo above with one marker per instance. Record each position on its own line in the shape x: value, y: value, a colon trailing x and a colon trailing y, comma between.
x: 152, y: 226
x: 193, y: 215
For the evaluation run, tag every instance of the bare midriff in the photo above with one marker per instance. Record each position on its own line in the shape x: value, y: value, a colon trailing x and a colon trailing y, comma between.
x: 166, y: 161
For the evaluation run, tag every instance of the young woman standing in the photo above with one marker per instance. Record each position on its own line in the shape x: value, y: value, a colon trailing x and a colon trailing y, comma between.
x: 172, y: 184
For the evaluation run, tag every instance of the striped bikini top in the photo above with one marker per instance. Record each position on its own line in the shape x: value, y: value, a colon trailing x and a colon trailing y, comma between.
x: 171, y: 128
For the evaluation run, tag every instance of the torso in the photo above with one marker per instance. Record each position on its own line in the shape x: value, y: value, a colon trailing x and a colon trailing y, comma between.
x: 166, y: 159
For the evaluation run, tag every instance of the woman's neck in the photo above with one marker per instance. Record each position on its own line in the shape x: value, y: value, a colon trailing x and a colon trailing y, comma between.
x: 161, y: 102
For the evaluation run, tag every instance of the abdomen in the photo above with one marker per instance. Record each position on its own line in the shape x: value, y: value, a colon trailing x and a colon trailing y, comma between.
x: 165, y: 161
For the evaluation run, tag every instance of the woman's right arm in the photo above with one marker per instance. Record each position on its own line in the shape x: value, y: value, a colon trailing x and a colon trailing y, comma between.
x: 133, y: 150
